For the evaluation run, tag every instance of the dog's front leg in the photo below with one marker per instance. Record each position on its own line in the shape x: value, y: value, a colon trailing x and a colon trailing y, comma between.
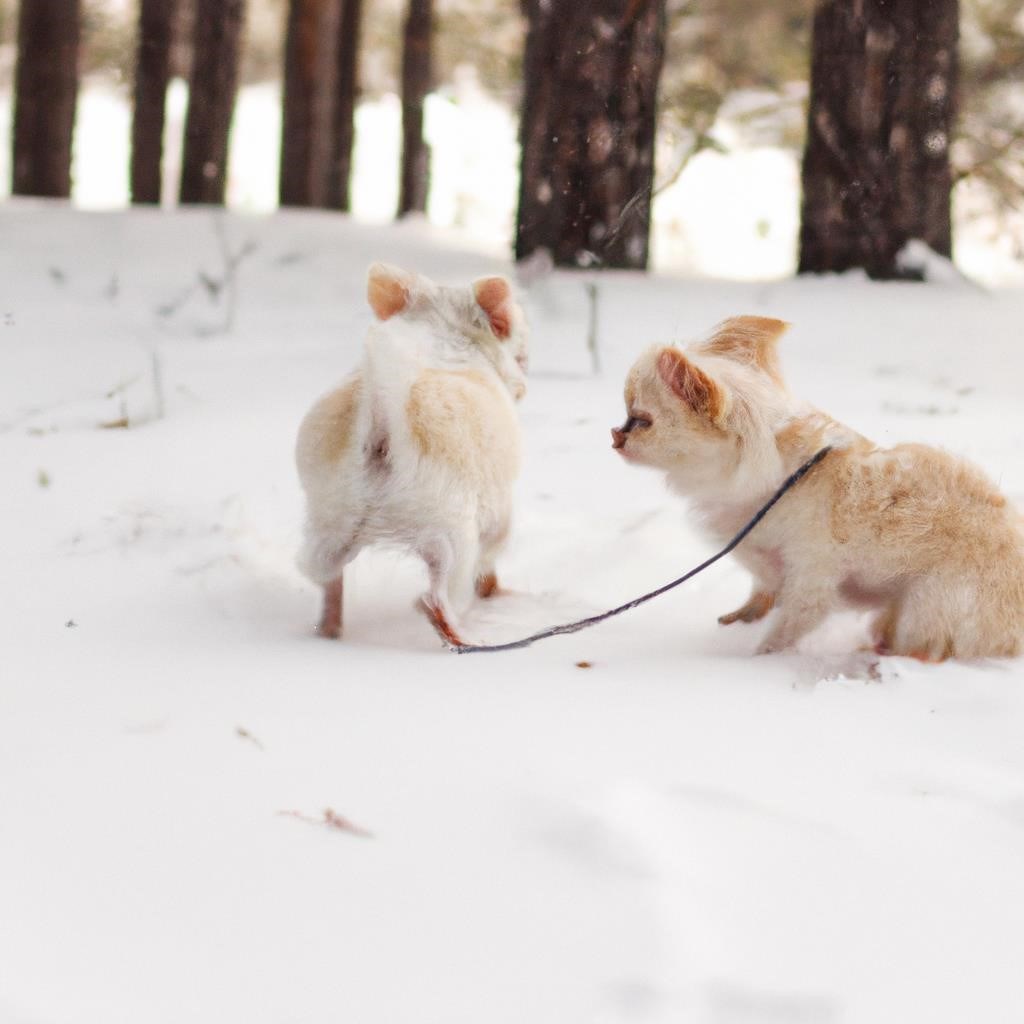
x: 802, y: 606
x: 758, y: 605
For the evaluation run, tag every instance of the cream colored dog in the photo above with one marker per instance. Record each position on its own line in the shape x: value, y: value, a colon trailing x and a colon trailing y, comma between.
x: 420, y: 446
x: 917, y: 534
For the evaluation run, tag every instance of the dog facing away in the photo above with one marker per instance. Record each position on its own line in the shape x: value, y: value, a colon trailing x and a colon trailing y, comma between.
x: 419, y: 448
x: 918, y: 535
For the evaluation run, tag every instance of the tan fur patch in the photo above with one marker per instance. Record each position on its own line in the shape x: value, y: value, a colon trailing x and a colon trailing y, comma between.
x: 456, y: 417
x: 801, y: 438
x: 334, y: 420
x: 748, y: 339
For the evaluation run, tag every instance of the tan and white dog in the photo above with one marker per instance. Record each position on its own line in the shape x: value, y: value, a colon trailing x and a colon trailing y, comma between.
x: 920, y: 536
x: 419, y: 448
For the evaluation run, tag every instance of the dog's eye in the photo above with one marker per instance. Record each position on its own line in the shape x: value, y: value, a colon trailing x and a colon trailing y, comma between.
x: 637, y: 423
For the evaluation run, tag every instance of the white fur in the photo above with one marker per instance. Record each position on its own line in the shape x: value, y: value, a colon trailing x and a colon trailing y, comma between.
x: 384, y: 487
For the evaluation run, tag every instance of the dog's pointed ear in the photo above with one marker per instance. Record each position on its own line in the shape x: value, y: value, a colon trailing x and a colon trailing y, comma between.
x: 692, y: 385
x: 494, y: 296
x: 748, y: 339
x: 387, y: 290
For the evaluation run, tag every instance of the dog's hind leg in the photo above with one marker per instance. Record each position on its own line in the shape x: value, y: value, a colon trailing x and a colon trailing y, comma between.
x: 451, y: 563
x: 331, y: 618
x: 323, y: 560
x: 491, y: 543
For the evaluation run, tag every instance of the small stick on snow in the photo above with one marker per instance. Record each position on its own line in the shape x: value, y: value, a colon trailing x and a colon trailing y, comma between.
x: 331, y: 819
x: 595, y: 354
x: 246, y: 735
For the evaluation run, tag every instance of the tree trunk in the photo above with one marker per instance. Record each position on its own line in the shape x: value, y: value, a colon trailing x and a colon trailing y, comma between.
x: 305, y: 131
x: 211, y: 101
x: 346, y: 91
x: 152, y: 72
x: 416, y: 83
x: 876, y: 170
x: 46, y: 91
x: 587, y: 130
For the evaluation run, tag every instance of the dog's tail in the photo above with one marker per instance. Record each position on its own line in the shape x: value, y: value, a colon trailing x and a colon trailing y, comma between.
x: 391, y: 365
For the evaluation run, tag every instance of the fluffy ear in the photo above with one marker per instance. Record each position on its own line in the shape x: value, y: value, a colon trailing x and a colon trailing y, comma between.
x: 748, y: 339
x: 494, y: 297
x: 692, y: 385
x: 387, y: 290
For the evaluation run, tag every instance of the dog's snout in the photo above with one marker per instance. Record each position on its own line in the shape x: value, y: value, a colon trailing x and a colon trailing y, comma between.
x: 618, y: 437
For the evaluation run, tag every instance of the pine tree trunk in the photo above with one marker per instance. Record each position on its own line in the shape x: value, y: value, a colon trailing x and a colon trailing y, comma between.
x: 46, y: 92
x: 346, y: 91
x: 214, y: 81
x: 305, y: 130
x: 152, y: 72
x: 587, y: 130
x: 416, y: 83
x: 876, y: 170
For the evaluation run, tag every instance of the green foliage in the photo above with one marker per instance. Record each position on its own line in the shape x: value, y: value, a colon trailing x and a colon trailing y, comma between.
x: 263, y: 42
x: 989, y: 150
x: 719, y: 49
x: 488, y: 34
x: 108, y: 41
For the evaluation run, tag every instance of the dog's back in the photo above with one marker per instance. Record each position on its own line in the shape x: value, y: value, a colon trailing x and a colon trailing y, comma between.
x: 389, y: 462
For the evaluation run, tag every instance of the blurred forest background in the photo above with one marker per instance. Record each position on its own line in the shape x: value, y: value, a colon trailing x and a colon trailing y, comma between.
x: 733, y: 81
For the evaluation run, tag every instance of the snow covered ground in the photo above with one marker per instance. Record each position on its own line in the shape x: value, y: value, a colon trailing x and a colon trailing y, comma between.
x: 680, y: 833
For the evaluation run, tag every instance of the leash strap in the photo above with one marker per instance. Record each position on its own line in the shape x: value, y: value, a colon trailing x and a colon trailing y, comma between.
x: 574, y: 627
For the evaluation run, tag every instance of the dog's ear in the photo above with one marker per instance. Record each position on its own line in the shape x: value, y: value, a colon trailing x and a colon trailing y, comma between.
x: 748, y: 339
x: 692, y: 385
x: 387, y: 290
x: 494, y: 296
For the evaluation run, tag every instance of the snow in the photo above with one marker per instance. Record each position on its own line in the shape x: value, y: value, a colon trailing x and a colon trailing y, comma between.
x: 681, y: 832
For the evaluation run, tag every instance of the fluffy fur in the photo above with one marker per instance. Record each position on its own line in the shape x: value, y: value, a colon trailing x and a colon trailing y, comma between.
x: 921, y: 537
x: 420, y: 446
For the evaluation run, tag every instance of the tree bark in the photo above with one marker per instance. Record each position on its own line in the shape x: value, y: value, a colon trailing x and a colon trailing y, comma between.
x: 346, y: 92
x: 152, y: 73
x: 587, y: 130
x: 305, y: 130
x: 417, y: 80
x: 46, y: 92
x: 214, y: 81
x: 876, y: 169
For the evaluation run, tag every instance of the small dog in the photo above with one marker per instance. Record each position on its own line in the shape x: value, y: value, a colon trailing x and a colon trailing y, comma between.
x: 420, y: 446
x: 918, y: 535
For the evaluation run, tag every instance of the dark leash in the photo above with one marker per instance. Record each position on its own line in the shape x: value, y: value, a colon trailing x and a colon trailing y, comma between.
x: 574, y: 627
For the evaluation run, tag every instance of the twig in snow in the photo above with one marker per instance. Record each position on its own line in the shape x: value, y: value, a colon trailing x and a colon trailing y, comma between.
x: 215, y: 285
x: 123, y: 386
x: 229, y: 278
x: 595, y: 355
x: 246, y: 735
x: 331, y: 819
x: 157, y: 380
